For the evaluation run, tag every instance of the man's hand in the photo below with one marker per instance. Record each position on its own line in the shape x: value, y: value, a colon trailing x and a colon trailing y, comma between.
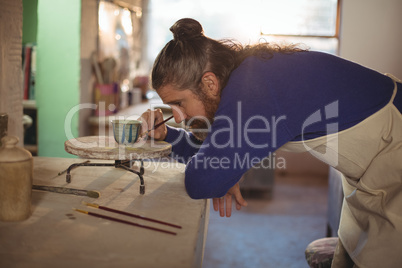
x: 219, y: 203
x: 149, y: 119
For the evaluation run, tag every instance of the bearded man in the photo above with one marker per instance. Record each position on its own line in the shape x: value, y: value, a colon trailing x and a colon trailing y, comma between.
x: 256, y: 99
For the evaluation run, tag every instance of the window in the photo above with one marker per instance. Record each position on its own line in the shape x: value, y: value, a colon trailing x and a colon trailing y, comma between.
x: 312, y: 22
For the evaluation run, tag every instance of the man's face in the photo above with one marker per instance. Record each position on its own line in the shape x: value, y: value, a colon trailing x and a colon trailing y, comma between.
x: 197, y: 111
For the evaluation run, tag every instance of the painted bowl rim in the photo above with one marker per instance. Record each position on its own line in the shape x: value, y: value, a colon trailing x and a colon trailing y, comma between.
x: 123, y: 121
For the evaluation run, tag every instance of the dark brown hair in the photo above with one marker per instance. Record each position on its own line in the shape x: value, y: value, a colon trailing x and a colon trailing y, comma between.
x: 184, y: 60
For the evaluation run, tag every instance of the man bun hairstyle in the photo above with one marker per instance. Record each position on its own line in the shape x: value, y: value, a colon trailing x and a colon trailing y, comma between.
x: 185, y: 59
x: 186, y: 29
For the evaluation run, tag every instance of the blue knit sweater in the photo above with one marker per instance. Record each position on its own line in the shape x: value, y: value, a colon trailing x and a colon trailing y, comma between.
x: 268, y: 103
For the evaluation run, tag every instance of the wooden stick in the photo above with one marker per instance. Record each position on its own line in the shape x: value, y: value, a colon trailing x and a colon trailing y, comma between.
x: 123, y: 221
x: 156, y: 126
x: 132, y: 215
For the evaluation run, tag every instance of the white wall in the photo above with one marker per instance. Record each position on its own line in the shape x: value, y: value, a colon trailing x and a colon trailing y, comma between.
x: 371, y: 34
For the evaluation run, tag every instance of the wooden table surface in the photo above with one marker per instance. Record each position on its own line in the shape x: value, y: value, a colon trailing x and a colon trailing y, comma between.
x: 57, y: 236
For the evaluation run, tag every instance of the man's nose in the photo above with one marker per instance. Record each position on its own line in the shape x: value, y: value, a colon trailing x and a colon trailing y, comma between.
x: 178, y: 115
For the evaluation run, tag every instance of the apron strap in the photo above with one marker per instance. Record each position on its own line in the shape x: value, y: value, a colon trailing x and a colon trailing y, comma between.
x: 393, y: 77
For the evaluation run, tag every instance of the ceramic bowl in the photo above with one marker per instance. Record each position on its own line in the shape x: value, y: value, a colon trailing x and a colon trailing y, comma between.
x: 126, y: 132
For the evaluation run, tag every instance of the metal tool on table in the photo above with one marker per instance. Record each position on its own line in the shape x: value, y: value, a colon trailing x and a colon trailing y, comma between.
x: 63, y: 190
x: 106, y: 148
x: 126, y: 165
x: 64, y: 171
x: 119, y: 163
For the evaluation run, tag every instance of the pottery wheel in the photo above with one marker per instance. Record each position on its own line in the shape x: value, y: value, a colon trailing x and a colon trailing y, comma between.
x: 105, y: 147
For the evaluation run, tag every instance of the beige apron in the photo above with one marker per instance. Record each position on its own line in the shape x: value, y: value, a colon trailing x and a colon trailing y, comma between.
x: 369, y: 154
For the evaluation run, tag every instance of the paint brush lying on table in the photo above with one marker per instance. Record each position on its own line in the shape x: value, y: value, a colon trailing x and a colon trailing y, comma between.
x: 120, y: 220
x: 63, y: 190
x: 156, y: 126
x: 131, y: 215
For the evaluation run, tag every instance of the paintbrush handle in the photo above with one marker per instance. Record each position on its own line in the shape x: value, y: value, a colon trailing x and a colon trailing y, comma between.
x: 161, y: 123
x: 156, y: 126
x: 138, y: 216
x: 125, y: 222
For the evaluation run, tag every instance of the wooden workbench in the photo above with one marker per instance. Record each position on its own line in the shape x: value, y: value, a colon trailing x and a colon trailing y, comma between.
x: 57, y: 236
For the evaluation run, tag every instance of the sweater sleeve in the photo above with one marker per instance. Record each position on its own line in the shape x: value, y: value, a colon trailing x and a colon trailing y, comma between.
x: 184, y: 144
x: 225, y: 156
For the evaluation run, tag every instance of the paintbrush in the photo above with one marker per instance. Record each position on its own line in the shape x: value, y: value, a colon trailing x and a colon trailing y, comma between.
x: 123, y: 221
x: 156, y: 126
x: 63, y: 190
x: 131, y: 215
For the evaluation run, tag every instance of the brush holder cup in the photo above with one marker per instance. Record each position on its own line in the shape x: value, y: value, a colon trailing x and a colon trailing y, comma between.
x: 126, y: 132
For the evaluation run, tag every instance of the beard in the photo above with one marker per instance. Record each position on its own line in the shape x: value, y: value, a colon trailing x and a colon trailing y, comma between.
x: 200, y: 126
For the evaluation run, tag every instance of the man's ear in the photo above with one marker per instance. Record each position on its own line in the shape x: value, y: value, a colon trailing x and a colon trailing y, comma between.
x: 210, y: 84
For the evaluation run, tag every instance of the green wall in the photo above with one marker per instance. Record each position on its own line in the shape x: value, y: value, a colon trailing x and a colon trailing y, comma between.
x: 58, y: 73
x: 30, y: 21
